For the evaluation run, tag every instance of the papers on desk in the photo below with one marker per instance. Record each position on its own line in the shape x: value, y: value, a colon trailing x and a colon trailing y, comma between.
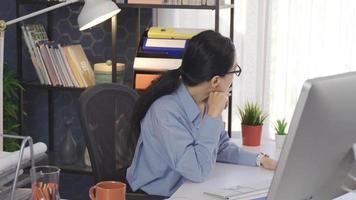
x: 347, y: 196
x: 242, y: 192
x: 9, y: 160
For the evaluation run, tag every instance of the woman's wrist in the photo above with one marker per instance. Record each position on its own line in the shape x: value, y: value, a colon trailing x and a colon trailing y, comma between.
x: 259, y: 159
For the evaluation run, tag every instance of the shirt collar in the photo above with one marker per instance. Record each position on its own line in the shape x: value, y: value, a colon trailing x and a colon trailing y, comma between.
x: 188, y: 103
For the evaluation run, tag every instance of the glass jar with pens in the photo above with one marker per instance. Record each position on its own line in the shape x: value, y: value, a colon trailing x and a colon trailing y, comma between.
x: 45, y: 183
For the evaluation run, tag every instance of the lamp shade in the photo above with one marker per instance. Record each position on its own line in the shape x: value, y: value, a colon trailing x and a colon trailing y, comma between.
x: 95, y: 12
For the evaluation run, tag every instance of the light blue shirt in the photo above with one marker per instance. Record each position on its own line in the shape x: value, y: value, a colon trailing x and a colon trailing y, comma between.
x: 176, y: 145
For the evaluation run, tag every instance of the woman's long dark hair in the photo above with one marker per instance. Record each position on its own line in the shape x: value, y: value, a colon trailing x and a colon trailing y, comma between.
x: 207, y: 55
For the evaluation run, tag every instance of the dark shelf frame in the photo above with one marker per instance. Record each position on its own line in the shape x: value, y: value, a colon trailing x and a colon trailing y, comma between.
x: 36, y: 85
x: 216, y: 8
x: 127, y: 5
x: 51, y: 89
x: 44, y: 2
x: 173, y: 6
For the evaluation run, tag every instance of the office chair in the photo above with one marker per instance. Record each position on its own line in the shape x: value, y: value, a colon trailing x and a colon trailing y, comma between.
x: 105, y: 113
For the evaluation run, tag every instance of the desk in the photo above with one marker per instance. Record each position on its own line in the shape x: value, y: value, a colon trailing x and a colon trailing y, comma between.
x: 227, y: 175
x: 20, y: 194
x: 348, y: 196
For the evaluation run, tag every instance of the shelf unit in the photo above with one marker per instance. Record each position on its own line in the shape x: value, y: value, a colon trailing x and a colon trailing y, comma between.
x: 198, y: 7
x: 215, y: 7
x: 36, y: 85
x: 53, y: 158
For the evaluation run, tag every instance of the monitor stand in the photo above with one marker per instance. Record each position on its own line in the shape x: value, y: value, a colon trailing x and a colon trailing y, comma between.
x: 350, y: 174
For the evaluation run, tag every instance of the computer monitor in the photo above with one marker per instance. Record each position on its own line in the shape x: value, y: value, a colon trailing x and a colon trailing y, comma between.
x: 318, y: 152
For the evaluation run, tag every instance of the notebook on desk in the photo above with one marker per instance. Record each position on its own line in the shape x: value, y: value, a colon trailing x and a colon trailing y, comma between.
x: 256, y: 191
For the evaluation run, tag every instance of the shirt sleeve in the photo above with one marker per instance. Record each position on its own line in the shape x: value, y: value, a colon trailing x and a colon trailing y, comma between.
x: 192, y: 157
x: 231, y: 153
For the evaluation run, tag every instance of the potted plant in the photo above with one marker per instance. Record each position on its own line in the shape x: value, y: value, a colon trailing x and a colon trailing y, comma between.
x: 11, y: 109
x: 252, y: 118
x: 280, y: 128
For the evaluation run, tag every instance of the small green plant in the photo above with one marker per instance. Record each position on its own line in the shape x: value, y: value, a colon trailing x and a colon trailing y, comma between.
x: 11, y: 109
x: 252, y: 114
x: 280, y: 127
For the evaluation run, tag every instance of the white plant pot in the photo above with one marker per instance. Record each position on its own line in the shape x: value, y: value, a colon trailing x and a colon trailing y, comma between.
x: 280, y: 141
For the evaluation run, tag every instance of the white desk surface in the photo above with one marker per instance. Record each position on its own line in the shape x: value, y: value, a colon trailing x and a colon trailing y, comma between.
x: 348, y: 196
x: 227, y: 175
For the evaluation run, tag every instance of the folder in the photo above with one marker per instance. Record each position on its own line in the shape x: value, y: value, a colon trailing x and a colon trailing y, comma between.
x: 156, y: 64
x: 173, y: 33
x: 142, y: 81
x: 172, y: 47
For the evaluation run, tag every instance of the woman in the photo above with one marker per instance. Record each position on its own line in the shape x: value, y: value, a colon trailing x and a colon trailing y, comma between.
x: 179, y: 120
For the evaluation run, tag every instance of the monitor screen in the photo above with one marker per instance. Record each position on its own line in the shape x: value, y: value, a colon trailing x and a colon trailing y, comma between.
x: 317, y: 156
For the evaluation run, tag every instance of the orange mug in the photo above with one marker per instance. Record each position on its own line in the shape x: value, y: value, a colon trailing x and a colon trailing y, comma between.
x: 108, y: 190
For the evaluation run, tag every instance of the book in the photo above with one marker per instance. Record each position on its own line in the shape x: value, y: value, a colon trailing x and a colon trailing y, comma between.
x: 82, y: 61
x: 173, y: 33
x: 33, y: 57
x: 67, y: 66
x: 156, y: 64
x: 48, y: 64
x: 79, y: 65
x: 54, y: 64
x: 33, y: 34
x: 75, y: 70
x: 172, y: 47
x: 62, y: 67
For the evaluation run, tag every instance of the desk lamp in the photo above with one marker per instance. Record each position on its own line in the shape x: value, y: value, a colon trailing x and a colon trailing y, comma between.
x: 93, y: 13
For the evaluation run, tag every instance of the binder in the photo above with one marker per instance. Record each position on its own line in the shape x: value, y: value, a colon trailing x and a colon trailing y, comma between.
x: 172, y: 47
x: 173, y: 33
x: 156, y: 64
x: 142, y: 81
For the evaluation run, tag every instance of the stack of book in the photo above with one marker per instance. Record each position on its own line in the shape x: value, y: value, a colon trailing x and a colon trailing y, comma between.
x: 57, y: 65
x: 160, y: 49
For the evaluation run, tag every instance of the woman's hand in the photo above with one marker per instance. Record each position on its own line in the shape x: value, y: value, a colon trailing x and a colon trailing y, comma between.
x: 216, y: 103
x: 268, y: 163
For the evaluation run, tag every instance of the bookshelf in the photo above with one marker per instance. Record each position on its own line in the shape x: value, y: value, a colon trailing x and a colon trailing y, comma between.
x: 53, y: 158
x: 199, y: 7
x: 215, y: 7
x: 36, y: 85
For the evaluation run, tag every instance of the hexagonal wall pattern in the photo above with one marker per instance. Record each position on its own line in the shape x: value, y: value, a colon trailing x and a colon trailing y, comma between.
x: 7, y: 12
x: 62, y: 27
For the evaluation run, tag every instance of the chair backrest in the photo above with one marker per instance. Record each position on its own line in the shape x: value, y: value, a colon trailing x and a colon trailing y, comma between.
x: 105, y: 112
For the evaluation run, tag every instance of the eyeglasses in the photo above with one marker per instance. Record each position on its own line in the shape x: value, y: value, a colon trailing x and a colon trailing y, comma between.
x: 237, y: 72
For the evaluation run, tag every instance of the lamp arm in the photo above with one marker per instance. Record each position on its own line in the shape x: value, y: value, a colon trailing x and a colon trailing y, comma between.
x: 8, y: 23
